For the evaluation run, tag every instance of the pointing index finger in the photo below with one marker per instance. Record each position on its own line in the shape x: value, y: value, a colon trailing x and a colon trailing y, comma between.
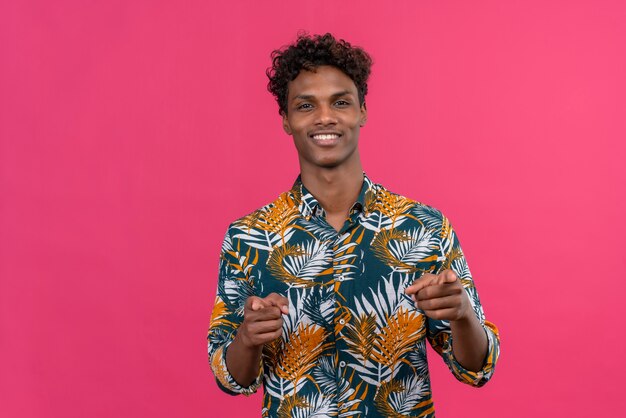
x: 426, y: 280
x: 274, y: 299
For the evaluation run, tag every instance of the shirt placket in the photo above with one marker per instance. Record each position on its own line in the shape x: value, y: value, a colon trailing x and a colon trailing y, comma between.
x: 341, y: 313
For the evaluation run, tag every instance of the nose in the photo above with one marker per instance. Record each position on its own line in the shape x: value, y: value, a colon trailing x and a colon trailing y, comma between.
x: 326, y: 116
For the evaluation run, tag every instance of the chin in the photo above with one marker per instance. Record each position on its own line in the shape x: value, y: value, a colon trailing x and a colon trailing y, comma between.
x: 328, y: 163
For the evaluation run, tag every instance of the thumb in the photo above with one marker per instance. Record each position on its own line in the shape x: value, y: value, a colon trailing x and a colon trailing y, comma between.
x: 255, y: 303
x: 448, y: 276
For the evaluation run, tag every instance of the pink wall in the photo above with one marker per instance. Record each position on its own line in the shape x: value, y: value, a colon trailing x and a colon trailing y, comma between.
x: 132, y: 133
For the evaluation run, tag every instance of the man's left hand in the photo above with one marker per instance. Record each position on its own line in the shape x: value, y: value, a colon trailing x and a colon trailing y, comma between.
x: 441, y: 296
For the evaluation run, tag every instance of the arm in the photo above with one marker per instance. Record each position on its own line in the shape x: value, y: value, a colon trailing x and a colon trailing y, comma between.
x: 238, y: 316
x: 457, y: 329
x: 262, y: 324
x: 470, y: 345
x: 443, y: 298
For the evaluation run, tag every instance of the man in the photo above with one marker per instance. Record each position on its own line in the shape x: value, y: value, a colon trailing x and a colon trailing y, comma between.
x: 327, y: 295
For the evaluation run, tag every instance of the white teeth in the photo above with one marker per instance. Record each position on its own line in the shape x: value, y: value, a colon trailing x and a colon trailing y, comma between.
x: 325, y: 137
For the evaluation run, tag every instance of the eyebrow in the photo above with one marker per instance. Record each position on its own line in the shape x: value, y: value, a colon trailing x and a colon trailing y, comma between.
x: 334, y: 95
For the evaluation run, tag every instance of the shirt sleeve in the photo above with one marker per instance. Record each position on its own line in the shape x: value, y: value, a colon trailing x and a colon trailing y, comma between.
x: 233, y: 288
x: 439, y: 333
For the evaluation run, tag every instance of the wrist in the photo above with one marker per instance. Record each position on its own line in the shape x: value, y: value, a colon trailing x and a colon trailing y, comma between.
x: 466, y: 318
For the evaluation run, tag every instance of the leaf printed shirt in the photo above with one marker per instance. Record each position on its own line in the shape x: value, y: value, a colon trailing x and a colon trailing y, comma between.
x: 353, y: 344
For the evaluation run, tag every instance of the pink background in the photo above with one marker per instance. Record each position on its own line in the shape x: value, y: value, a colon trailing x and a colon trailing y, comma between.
x: 132, y: 133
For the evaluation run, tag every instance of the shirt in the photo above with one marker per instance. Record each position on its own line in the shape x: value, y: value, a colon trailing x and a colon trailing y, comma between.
x: 353, y: 343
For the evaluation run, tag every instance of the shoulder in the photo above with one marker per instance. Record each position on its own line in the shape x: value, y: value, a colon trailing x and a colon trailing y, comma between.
x: 388, y: 201
x: 268, y: 216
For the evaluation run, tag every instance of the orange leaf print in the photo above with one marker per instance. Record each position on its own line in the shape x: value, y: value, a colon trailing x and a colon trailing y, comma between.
x: 300, y: 352
x: 403, y: 331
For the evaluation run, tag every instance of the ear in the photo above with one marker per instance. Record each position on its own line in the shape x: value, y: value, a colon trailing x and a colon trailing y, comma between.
x: 286, y: 126
x: 363, y: 117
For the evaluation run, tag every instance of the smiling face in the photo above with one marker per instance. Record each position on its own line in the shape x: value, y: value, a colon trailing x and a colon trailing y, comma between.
x: 324, y: 117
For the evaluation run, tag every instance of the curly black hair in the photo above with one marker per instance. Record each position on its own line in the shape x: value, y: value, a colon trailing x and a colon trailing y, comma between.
x: 308, y: 53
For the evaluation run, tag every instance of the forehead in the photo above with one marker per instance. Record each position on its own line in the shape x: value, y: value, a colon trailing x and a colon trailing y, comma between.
x: 326, y: 80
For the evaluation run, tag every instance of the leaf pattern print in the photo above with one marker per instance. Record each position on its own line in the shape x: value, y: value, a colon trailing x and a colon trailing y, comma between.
x: 359, y: 334
x: 405, y: 250
x: 402, y: 331
x: 347, y: 397
x: 353, y: 343
x: 299, y: 352
x: 270, y: 226
x: 318, y: 305
x: 299, y: 265
x: 398, y: 399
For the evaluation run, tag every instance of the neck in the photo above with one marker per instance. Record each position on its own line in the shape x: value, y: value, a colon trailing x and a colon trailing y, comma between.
x: 337, y: 188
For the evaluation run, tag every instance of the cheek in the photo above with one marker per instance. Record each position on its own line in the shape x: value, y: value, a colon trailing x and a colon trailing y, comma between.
x: 298, y: 128
x: 354, y: 122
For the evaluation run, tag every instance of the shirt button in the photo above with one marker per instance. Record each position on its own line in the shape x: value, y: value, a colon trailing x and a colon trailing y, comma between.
x: 342, y: 321
x: 342, y: 364
x: 340, y: 278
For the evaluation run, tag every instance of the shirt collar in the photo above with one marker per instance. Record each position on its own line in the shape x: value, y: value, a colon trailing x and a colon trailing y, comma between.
x: 310, y: 207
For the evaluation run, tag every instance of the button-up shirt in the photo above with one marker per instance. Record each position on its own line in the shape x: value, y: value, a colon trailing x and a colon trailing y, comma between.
x: 353, y: 343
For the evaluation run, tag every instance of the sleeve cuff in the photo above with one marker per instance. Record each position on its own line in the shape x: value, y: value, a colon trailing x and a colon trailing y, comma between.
x: 225, y: 380
x: 482, y: 376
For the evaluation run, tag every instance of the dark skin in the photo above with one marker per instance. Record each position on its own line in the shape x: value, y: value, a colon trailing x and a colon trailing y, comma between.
x: 326, y: 102
x: 262, y: 323
x: 324, y: 117
x: 442, y: 297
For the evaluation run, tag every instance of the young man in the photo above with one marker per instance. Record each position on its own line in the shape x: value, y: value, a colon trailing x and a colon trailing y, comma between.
x: 327, y: 295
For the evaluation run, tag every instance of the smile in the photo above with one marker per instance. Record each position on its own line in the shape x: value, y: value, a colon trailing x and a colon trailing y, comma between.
x: 325, y: 137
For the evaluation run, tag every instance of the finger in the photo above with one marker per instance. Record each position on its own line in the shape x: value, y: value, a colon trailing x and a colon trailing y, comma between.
x: 264, y: 327
x: 264, y: 314
x: 255, y: 303
x: 448, y: 276
x: 269, y: 336
x: 439, y: 290
x: 448, y: 314
x: 426, y: 280
x: 281, y: 302
x: 440, y: 303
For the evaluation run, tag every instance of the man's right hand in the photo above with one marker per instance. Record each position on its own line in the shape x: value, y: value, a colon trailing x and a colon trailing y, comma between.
x: 262, y: 320
x: 262, y: 323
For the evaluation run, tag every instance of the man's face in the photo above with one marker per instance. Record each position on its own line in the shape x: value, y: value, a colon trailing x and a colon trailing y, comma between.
x: 324, y: 118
